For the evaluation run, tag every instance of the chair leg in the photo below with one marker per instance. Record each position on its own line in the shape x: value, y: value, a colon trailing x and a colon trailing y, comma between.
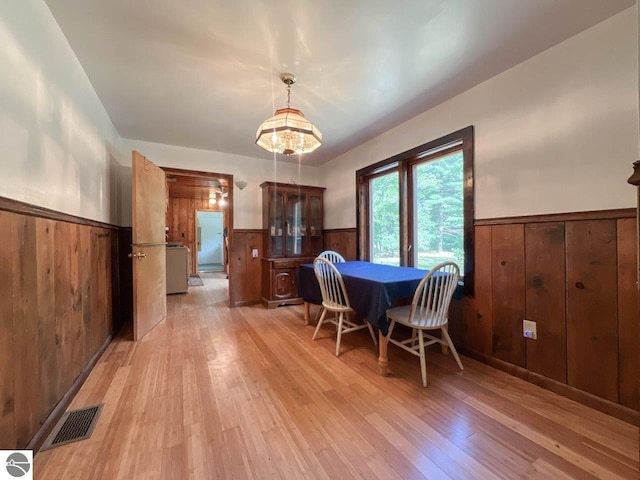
x: 414, y: 333
x: 445, y: 334
x: 319, y: 312
x: 423, y: 361
x: 392, y: 323
x: 339, y: 334
x: 373, y: 334
x: 324, y: 314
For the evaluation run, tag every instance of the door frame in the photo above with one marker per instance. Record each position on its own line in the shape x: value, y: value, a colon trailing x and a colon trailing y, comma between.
x: 177, y: 172
x: 224, y: 225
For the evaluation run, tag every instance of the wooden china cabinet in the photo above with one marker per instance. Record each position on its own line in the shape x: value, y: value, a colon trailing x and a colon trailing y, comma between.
x: 292, y: 222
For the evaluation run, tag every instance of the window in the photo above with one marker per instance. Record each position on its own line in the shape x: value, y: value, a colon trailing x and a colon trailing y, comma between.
x: 438, y: 211
x: 384, y: 218
x: 416, y: 208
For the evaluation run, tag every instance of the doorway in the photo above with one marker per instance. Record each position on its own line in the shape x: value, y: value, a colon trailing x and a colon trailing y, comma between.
x: 210, y: 241
x: 190, y: 192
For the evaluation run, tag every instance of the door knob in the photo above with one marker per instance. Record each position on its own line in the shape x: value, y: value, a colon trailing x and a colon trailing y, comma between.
x: 139, y: 256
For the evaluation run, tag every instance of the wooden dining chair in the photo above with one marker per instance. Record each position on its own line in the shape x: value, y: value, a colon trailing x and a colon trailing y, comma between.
x: 428, y: 311
x: 335, y: 300
x: 333, y: 257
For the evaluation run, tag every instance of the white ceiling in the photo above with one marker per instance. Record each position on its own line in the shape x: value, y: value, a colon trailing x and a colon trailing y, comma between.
x: 205, y: 73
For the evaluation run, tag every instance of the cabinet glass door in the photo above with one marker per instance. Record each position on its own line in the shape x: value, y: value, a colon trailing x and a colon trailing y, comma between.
x: 296, y: 224
x: 276, y: 224
x: 315, y: 224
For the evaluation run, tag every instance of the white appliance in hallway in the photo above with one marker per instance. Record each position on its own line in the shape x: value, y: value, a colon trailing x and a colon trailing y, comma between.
x: 177, y: 269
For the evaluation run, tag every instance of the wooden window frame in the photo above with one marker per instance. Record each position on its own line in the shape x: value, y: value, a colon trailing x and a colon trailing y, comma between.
x: 403, y: 162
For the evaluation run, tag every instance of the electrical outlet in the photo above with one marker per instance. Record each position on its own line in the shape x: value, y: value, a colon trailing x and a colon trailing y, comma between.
x: 529, y: 329
x: 254, y: 253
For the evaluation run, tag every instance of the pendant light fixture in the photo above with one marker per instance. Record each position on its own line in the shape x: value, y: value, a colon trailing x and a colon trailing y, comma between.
x: 288, y: 132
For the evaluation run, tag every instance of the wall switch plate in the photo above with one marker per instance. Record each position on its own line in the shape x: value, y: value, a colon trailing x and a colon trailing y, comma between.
x: 529, y: 329
x: 254, y: 253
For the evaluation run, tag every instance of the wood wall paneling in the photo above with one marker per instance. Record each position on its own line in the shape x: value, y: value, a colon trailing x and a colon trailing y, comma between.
x: 245, y: 282
x: 628, y: 321
x: 508, y: 294
x: 592, y: 322
x: 67, y: 298
x: 343, y: 241
x: 25, y: 329
x: 545, y: 299
x: 45, y: 259
x: 73, y: 328
x: 477, y: 310
x: 7, y: 343
x: 56, y: 313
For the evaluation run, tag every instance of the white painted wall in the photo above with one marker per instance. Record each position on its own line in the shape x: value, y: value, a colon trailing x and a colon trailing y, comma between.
x: 210, y: 225
x: 557, y: 133
x: 58, y: 147
x: 247, y: 208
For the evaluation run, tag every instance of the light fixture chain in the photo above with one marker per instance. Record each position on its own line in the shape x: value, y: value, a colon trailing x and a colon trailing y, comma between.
x: 289, y: 96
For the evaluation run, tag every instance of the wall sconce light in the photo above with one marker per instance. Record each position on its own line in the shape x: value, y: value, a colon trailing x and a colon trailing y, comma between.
x: 241, y: 184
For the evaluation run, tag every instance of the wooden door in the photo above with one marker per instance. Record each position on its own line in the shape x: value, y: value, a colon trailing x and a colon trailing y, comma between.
x: 148, y: 251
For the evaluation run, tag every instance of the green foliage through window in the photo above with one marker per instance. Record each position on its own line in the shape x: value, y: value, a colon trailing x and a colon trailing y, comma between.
x: 439, y: 211
x: 385, y: 219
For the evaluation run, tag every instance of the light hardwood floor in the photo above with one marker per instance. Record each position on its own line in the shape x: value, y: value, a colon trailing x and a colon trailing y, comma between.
x: 214, y: 392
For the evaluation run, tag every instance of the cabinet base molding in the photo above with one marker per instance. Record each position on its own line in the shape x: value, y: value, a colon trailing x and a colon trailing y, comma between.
x: 266, y: 303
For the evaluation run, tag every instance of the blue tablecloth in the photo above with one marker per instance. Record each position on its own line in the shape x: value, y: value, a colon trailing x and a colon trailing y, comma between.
x: 372, y: 288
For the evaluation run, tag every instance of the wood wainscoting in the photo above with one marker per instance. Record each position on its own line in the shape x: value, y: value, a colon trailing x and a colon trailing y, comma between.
x: 343, y: 241
x: 65, y: 293
x: 575, y: 276
x: 245, y: 271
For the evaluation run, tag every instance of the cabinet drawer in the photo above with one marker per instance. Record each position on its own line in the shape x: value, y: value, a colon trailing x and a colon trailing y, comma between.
x: 284, y: 264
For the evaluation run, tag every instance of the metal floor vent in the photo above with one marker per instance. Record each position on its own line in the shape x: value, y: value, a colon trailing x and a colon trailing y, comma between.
x: 74, y: 426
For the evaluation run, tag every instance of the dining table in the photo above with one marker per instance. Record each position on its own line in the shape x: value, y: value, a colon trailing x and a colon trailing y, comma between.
x: 372, y: 288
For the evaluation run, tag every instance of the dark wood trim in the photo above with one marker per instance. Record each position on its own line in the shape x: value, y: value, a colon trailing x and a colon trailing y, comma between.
x: 196, y: 173
x: 47, y: 426
x: 340, y: 230
x: 623, y: 413
x: 290, y: 186
x: 416, y: 151
x: 468, y: 149
x: 248, y: 230
x: 22, y: 208
x: 402, y: 163
x: 405, y: 189
x: 560, y: 217
x: 362, y: 218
